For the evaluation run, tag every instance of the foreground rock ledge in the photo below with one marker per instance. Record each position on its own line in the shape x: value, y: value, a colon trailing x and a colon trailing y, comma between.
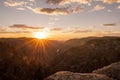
x: 112, y: 70
x: 66, y: 75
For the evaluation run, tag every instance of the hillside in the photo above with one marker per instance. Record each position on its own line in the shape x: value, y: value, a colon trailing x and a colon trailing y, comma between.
x: 33, y: 59
x: 26, y: 58
x: 95, y: 53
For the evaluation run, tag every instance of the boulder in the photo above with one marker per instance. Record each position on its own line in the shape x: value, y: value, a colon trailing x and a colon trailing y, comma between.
x: 66, y: 75
x: 112, y: 70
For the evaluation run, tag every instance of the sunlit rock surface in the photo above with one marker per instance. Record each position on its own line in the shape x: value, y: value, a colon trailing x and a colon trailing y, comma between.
x: 66, y: 75
x: 112, y: 71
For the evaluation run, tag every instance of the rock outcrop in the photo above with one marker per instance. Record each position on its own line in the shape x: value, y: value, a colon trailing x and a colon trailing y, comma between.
x: 66, y: 75
x: 112, y: 71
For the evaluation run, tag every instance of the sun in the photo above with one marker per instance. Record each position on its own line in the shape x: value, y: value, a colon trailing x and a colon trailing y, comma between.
x: 41, y: 35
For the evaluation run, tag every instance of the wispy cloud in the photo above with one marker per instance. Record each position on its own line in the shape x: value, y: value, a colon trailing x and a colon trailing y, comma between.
x: 20, y: 8
x: 1, y: 29
x: 109, y: 33
x: 109, y: 25
x: 56, y: 29
x: 22, y: 26
x: 54, y: 19
x: 76, y: 30
x: 13, y: 3
x: 13, y: 32
x: 98, y: 7
x: 109, y: 10
x: 19, y: 4
x: 32, y: 0
x: 51, y: 23
x: 82, y: 31
x: 63, y: 2
x: 119, y: 7
x: 111, y: 1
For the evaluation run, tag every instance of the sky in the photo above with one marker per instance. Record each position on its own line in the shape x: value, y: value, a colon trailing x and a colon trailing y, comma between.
x: 61, y: 19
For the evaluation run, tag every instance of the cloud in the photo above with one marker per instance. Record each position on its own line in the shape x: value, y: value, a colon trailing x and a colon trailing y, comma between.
x: 13, y: 32
x: 56, y: 29
x: 32, y: 0
x: 109, y: 25
x: 82, y: 1
x: 63, y: 2
x: 54, y: 19
x: 82, y: 31
x: 58, y: 2
x: 1, y: 29
x: 109, y: 33
x: 98, y: 7
x: 115, y: 34
x: 76, y: 8
x: 57, y: 11
x: 119, y: 7
x: 22, y: 26
x: 14, y: 3
x: 51, y: 23
x: 76, y: 30
x: 19, y: 4
x: 20, y: 8
x: 109, y: 10
x: 49, y: 11
x: 111, y: 1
